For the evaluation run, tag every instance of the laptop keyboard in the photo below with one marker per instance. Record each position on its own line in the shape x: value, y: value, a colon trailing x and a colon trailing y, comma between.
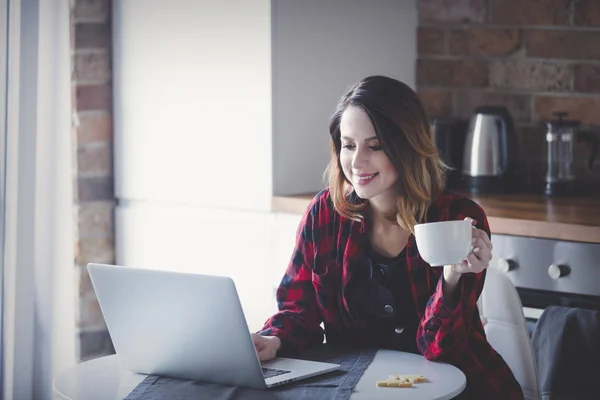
x: 272, y: 372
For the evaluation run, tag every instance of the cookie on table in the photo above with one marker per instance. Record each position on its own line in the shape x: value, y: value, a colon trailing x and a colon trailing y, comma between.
x: 408, y: 378
x: 394, y: 383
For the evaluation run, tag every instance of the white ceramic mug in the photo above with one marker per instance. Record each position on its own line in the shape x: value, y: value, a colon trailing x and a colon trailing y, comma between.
x: 445, y: 242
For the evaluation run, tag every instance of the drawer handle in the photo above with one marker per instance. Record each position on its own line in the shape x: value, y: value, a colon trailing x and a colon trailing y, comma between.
x: 506, y: 265
x: 556, y: 271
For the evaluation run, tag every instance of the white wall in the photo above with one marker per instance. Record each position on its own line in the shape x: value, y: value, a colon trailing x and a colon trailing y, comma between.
x: 320, y: 47
x: 195, y: 239
x: 193, y: 91
x: 192, y: 115
x: 192, y: 106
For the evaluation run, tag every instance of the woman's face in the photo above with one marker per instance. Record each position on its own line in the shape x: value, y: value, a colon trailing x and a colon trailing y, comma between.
x: 364, y: 163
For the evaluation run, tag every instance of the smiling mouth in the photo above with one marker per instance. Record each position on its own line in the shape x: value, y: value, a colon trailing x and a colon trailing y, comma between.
x: 363, y: 179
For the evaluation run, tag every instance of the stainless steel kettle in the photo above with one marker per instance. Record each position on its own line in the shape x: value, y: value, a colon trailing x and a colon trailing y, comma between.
x: 490, y: 154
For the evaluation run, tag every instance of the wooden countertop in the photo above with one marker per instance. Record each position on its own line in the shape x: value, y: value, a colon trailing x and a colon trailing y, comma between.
x: 574, y: 219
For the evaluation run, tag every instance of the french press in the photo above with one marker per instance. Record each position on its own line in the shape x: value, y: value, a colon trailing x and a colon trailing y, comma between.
x: 561, y: 135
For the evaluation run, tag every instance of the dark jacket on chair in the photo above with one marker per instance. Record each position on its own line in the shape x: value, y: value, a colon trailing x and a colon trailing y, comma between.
x: 566, y: 346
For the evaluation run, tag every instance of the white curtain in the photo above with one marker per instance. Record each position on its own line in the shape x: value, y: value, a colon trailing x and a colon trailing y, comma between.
x: 39, y: 296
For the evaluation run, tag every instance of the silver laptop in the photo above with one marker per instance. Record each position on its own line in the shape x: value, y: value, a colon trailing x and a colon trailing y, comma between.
x: 187, y: 326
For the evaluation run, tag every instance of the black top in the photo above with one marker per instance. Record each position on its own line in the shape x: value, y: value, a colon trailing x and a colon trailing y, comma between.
x: 383, y: 302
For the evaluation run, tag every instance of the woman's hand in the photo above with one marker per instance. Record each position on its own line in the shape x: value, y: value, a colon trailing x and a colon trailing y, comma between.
x: 478, y: 259
x: 266, y: 346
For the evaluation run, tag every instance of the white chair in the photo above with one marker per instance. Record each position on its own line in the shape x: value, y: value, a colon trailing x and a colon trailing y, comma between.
x: 504, y: 324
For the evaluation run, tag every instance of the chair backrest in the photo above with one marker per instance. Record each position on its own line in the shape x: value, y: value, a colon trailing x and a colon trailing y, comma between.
x: 504, y: 323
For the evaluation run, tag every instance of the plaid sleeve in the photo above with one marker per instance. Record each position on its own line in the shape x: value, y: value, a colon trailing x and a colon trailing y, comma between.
x: 444, y: 328
x: 297, y: 323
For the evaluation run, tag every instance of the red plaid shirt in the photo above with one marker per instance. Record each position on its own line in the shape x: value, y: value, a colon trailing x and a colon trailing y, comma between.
x: 313, y: 290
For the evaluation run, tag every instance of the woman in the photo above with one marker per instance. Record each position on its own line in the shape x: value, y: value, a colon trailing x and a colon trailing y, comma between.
x: 356, y: 267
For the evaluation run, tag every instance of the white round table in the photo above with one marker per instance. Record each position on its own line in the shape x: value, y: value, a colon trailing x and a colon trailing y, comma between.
x: 105, y: 379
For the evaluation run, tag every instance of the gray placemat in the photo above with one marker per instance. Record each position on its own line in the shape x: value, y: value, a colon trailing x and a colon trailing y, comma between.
x: 337, y: 385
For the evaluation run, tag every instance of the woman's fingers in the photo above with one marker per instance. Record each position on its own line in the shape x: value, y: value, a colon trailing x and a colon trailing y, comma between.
x: 478, y: 242
x: 480, y: 234
x: 473, y: 222
x: 266, y: 346
x: 475, y: 264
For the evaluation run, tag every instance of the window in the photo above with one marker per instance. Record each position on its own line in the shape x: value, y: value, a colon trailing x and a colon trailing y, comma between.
x: 3, y: 126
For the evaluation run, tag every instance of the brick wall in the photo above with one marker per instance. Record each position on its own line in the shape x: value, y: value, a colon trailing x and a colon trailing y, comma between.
x: 94, y: 196
x: 532, y: 56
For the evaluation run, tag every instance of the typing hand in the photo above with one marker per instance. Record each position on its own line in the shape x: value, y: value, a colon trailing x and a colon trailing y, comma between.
x: 266, y: 346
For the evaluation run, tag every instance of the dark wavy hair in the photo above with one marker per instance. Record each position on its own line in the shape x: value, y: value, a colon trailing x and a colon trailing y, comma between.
x: 404, y: 132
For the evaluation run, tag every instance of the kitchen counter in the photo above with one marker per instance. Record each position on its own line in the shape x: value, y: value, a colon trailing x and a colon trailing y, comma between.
x: 573, y: 219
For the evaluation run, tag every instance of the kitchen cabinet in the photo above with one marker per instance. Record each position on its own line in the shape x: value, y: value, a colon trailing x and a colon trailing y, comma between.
x: 573, y: 219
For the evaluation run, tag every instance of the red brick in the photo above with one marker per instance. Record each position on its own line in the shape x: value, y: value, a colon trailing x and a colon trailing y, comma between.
x: 586, y: 13
x: 452, y: 73
x: 530, y: 12
x: 530, y: 75
x: 487, y: 42
x: 565, y: 44
x: 519, y: 105
x: 97, y: 10
x: 96, y: 219
x: 98, y: 250
x: 438, y: 103
x: 90, y: 314
x: 94, y: 97
x: 92, y: 35
x: 92, y: 67
x: 73, y: 95
x: 94, y: 343
x: 452, y: 11
x: 430, y: 41
x: 585, y: 109
x: 85, y: 283
x: 94, y: 128
x: 94, y: 159
x: 95, y: 188
x: 72, y: 33
x: 587, y: 78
